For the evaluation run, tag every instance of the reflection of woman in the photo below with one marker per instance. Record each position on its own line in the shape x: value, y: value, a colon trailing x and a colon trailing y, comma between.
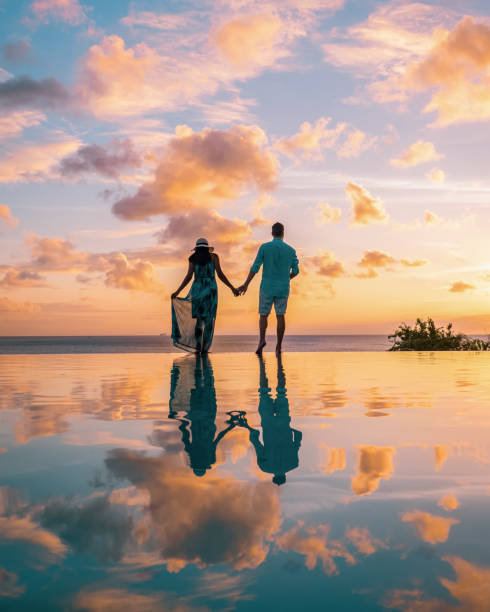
x: 199, y: 428
x: 193, y: 317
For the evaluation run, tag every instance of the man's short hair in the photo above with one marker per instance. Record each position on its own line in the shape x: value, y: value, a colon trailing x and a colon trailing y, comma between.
x: 278, y: 229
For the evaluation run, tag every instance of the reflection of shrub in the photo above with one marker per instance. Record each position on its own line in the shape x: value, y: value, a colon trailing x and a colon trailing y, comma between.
x: 425, y: 336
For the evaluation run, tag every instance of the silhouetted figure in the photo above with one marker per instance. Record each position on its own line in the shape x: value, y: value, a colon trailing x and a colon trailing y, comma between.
x: 197, y: 395
x: 278, y: 454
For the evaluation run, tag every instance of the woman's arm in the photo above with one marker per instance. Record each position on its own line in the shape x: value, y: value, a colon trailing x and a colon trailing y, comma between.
x: 221, y: 274
x: 186, y: 280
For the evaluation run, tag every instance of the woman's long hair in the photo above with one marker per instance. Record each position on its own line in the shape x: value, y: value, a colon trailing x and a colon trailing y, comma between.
x: 201, y: 256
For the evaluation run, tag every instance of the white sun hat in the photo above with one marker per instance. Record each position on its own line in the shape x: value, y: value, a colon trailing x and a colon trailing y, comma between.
x: 202, y: 242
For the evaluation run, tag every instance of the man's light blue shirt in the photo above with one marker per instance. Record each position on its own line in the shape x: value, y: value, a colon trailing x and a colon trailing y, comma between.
x: 279, y: 260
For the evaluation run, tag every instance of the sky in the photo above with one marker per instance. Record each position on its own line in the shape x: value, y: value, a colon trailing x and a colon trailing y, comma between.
x: 130, y: 129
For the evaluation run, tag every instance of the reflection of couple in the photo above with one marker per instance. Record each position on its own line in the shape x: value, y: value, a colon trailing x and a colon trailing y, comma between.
x: 276, y: 455
x: 193, y: 317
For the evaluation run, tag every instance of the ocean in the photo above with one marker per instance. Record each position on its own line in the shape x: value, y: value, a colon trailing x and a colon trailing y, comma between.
x: 24, y: 345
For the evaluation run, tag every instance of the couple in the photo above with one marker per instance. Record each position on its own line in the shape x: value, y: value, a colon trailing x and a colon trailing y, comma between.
x: 193, y: 317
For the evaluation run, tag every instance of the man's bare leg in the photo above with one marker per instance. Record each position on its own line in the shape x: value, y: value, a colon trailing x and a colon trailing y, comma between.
x: 281, y: 326
x: 262, y: 329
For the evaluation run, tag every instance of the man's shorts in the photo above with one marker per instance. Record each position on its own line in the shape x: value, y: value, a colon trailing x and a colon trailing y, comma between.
x: 266, y: 301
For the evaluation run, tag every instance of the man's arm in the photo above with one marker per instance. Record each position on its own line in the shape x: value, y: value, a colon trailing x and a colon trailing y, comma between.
x: 253, y: 270
x: 294, y: 266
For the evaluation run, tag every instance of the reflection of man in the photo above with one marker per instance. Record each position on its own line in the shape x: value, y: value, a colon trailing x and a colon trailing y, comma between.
x: 200, y: 402
x: 278, y: 454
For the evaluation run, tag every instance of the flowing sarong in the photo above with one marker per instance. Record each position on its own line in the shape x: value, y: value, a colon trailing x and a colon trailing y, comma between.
x: 193, y: 317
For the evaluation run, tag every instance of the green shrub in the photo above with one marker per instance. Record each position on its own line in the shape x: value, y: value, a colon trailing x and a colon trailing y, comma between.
x: 425, y: 336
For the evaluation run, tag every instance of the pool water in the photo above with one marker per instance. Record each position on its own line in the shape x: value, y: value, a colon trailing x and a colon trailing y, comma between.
x: 342, y: 481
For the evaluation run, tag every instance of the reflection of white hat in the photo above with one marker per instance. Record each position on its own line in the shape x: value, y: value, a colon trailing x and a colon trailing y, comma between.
x: 202, y: 242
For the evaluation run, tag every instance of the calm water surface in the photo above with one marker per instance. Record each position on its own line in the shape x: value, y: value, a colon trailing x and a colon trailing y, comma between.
x: 342, y: 481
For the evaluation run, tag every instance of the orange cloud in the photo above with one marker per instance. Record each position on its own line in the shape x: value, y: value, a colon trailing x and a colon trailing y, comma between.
x: 326, y: 264
x: 327, y: 214
x: 312, y: 542
x: 135, y: 276
x: 34, y: 162
x: 107, y: 600
x: 363, y: 540
x: 448, y: 502
x: 431, y: 218
x: 375, y: 463
x: 365, y: 208
x: 203, y: 170
x: 24, y: 529
x: 441, y: 453
x: 311, y: 139
x: 8, y: 584
x: 248, y: 513
x: 64, y: 10
x: 458, y: 68
x: 419, y: 152
x: 355, y: 143
x: 14, y: 123
x: 413, y: 263
x: 6, y: 216
x: 21, y: 278
x: 376, y: 259
x: 436, y: 175
x: 256, y: 40
x: 432, y: 529
x: 335, y: 459
x: 472, y: 585
x: 8, y: 305
x: 461, y: 287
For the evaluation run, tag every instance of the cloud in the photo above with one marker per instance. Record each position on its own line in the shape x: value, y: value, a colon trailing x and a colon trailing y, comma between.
x: 8, y: 305
x: 335, y: 459
x: 327, y: 214
x: 22, y: 91
x: 472, y: 585
x: 13, y: 124
x: 54, y: 254
x: 326, y: 265
x: 182, y: 230
x: 311, y: 139
x: 441, y: 453
x: 355, y: 143
x: 24, y: 529
x: 13, y: 277
x: 419, y: 152
x: 233, y: 522
x: 32, y: 162
x: 119, y: 156
x: 461, y: 287
x: 458, y: 68
x: 363, y: 540
x: 374, y: 259
x: 257, y: 40
x: 436, y: 175
x: 157, y: 21
x: 8, y: 584
x: 313, y: 543
x: 365, y: 209
x: 431, y: 529
x: 413, y: 263
x: 449, y: 502
x: 135, y: 276
x: 16, y: 51
x: 105, y: 600
x: 431, y: 218
x: 69, y: 11
x: 6, y: 216
x: 203, y: 170
x: 375, y: 463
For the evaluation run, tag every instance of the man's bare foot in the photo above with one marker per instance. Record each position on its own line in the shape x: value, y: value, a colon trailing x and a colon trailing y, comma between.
x: 260, y: 348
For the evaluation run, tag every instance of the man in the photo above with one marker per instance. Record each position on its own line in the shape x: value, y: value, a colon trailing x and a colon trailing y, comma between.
x: 280, y: 266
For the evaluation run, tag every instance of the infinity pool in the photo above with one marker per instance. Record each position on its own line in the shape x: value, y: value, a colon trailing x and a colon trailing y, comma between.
x: 327, y: 481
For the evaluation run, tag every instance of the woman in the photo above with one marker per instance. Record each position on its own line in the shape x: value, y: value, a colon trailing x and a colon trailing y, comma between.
x: 193, y: 317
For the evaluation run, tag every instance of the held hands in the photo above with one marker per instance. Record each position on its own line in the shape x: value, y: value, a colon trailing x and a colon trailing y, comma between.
x: 235, y: 291
x: 242, y: 289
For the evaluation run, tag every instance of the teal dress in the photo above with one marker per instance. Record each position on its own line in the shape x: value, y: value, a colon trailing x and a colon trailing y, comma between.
x: 193, y: 317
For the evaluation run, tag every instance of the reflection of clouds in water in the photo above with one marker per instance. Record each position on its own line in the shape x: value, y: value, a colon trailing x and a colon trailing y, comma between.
x: 202, y: 521
x: 9, y: 586
x: 26, y: 530
x: 335, y: 459
x: 363, y: 540
x: 109, y: 599
x: 441, y: 453
x: 375, y: 462
x: 313, y: 543
x: 449, y: 502
x: 432, y: 529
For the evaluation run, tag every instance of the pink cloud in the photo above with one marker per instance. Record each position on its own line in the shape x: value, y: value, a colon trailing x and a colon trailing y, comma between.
x: 6, y: 216
x: 69, y: 11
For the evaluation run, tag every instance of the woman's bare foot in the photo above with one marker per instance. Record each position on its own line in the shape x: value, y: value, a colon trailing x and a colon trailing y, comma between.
x: 260, y: 348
